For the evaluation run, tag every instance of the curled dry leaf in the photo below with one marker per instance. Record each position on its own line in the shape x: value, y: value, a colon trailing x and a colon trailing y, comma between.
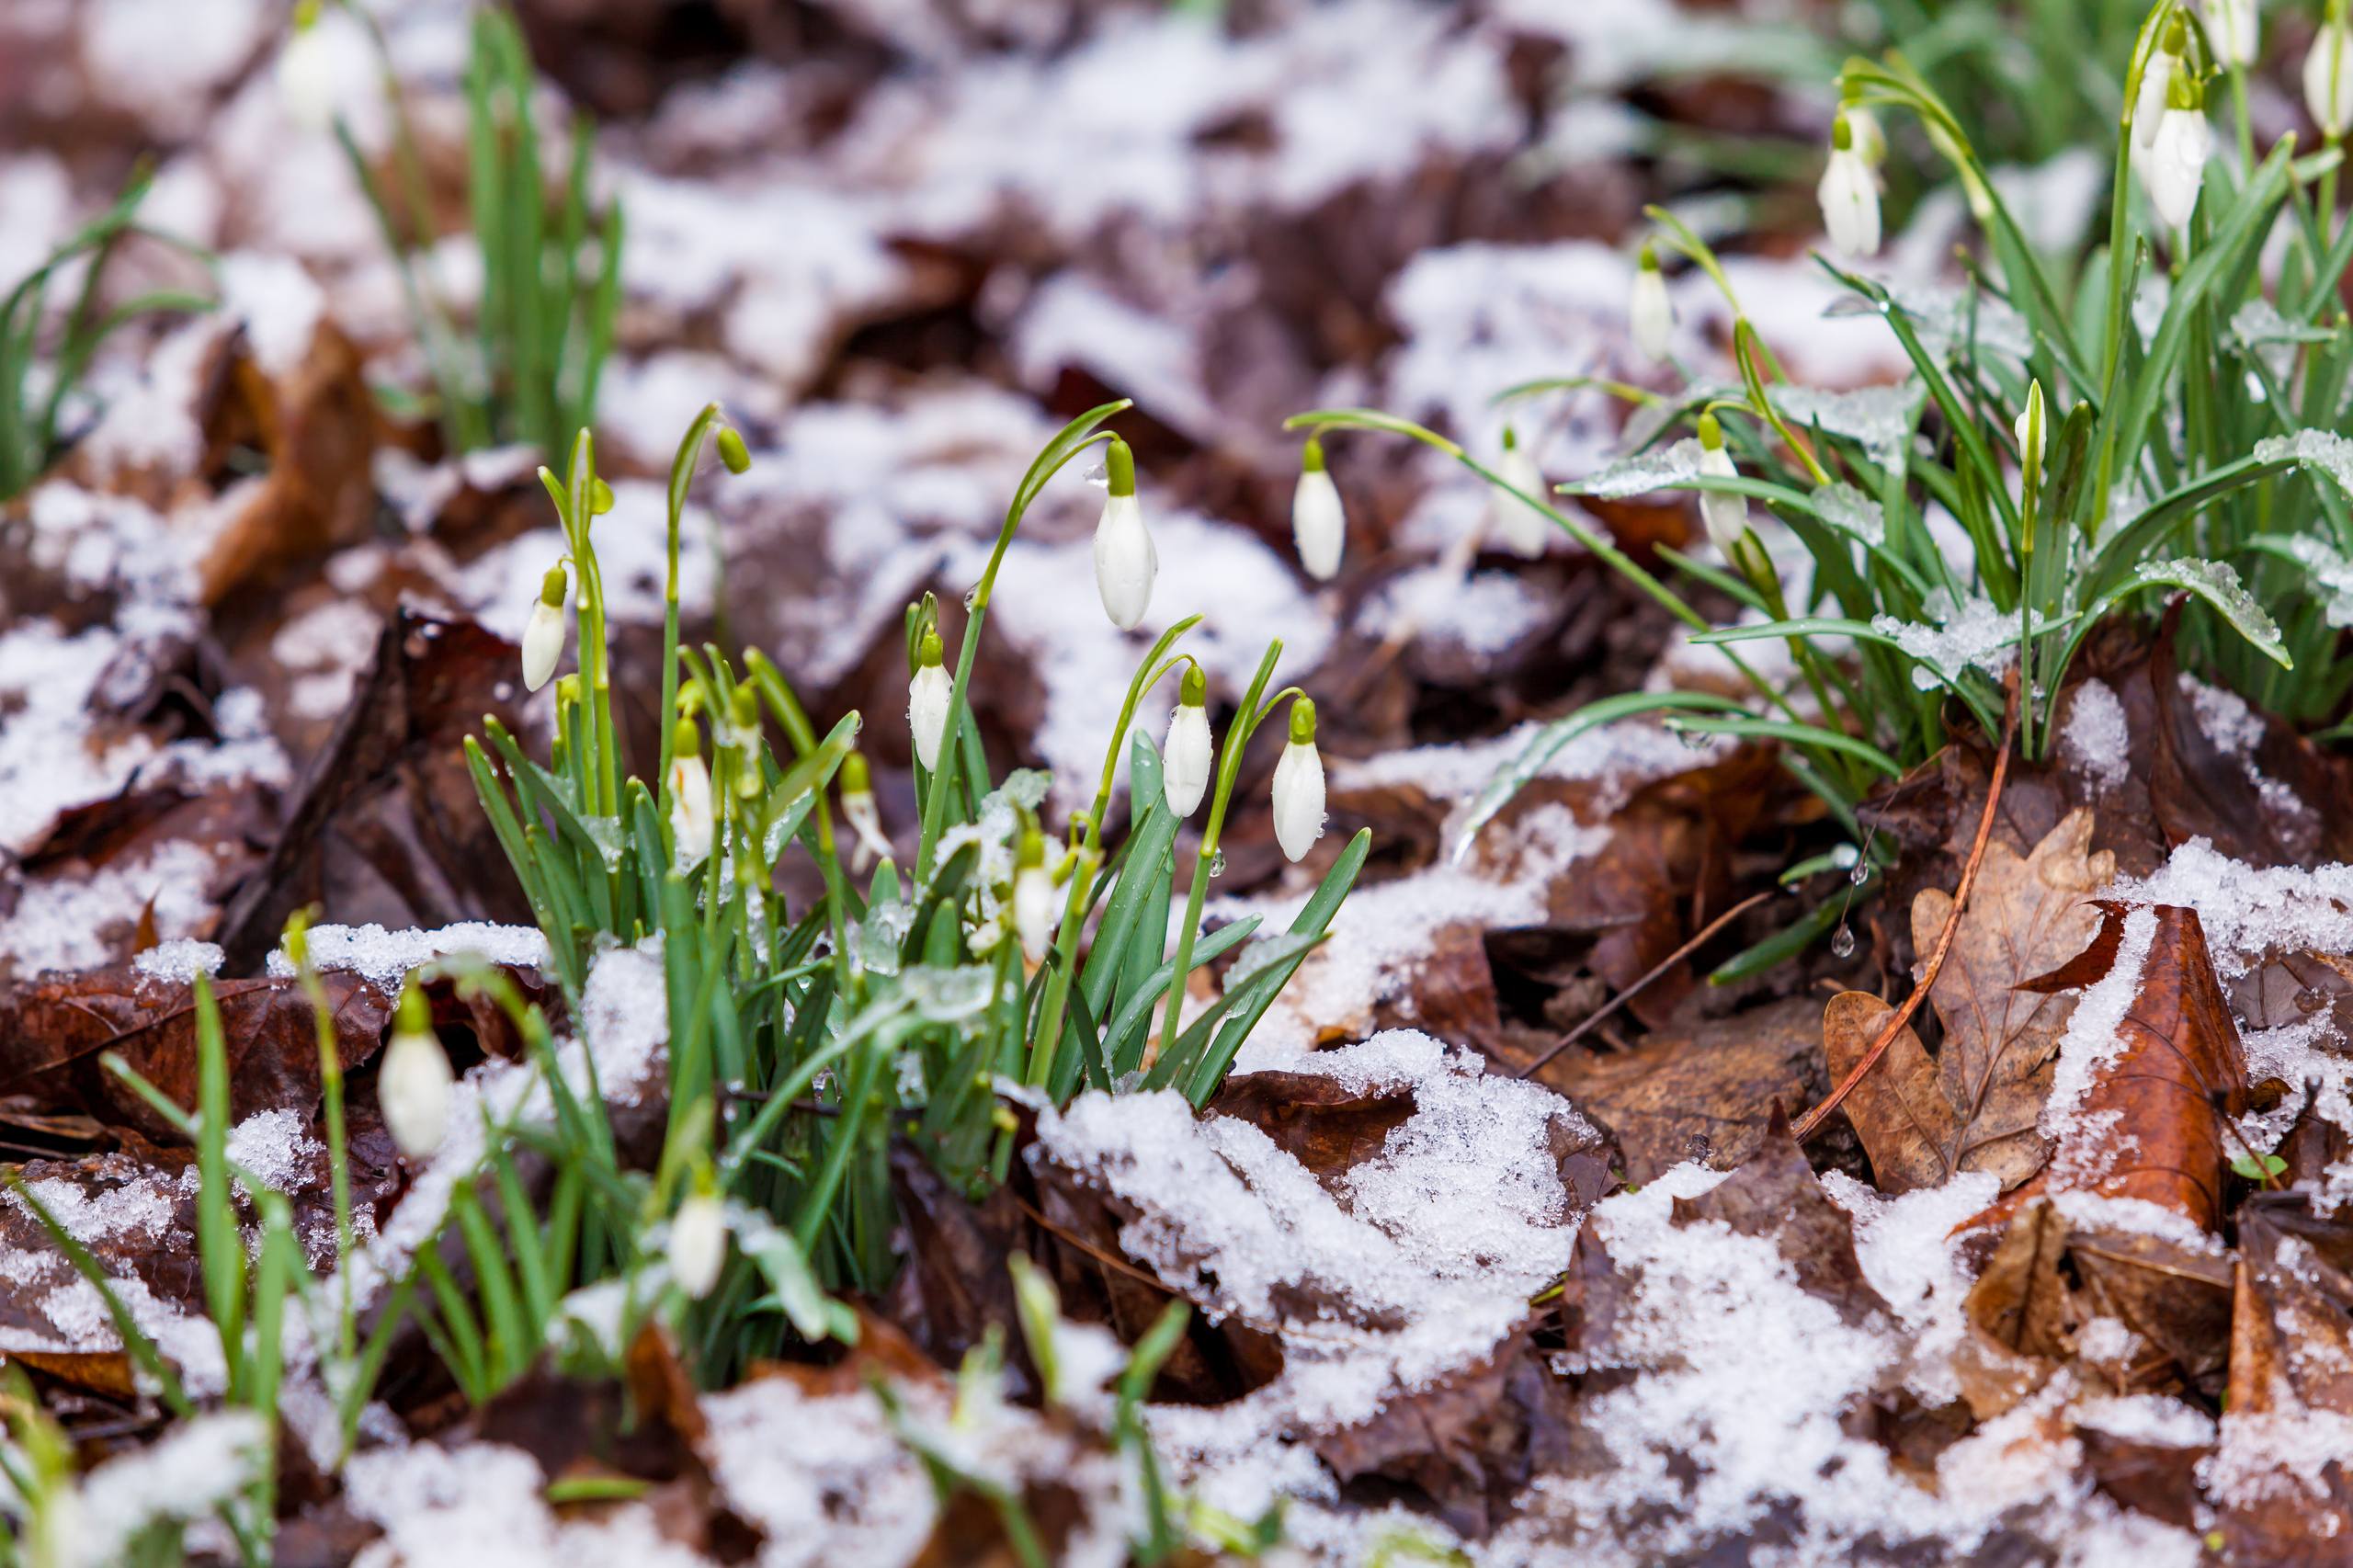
x: 2281, y: 1480
x: 1973, y: 1105
x: 2150, y: 1121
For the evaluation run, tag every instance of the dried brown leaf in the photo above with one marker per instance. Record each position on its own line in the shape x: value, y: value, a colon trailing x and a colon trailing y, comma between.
x: 1972, y: 1104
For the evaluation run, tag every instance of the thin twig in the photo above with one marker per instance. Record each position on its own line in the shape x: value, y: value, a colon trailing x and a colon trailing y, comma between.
x: 1811, y: 1123
x: 1677, y: 957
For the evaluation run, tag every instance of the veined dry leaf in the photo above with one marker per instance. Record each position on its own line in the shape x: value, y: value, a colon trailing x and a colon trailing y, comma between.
x: 1973, y: 1106
x: 2283, y: 1495
x: 2150, y: 1123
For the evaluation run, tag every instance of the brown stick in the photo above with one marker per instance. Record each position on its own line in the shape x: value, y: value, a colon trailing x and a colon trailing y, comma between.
x: 1811, y: 1123
x: 1677, y: 957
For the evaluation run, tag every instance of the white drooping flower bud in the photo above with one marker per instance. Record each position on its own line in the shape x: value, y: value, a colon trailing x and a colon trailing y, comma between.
x: 1871, y: 142
x: 1125, y: 562
x: 1034, y: 897
x: 927, y: 696
x: 865, y: 819
x: 693, y: 825
x: 1299, y: 786
x: 698, y: 1242
x: 2030, y: 430
x: 1849, y: 196
x: 1523, y: 529
x: 2328, y: 78
x: 1726, y: 517
x: 543, y: 633
x: 306, y: 75
x: 1651, y: 315
x: 412, y: 1081
x: 2175, y: 165
x: 1184, y: 765
x: 2156, y: 81
x: 1318, y: 524
x: 2234, y: 28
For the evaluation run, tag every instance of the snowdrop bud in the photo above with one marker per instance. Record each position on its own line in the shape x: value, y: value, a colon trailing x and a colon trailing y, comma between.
x: 1652, y: 313
x: 692, y: 826
x: 1522, y: 527
x: 1034, y: 897
x: 927, y: 696
x: 306, y: 74
x: 2235, y: 28
x: 1299, y: 786
x: 1849, y: 196
x: 2156, y: 79
x: 731, y: 450
x: 2030, y: 429
x: 1726, y: 517
x: 698, y: 1242
x: 865, y: 820
x: 1184, y: 764
x: 1318, y: 525
x: 2328, y: 77
x: 544, y: 634
x: 601, y: 497
x: 2175, y: 165
x: 1125, y: 562
x: 412, y: 1081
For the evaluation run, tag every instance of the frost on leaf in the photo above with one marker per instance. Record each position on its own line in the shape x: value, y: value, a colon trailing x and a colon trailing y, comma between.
x: 1973, y: 1106
x: 1644, y: 473
x: 1848, y: 509
x: 1878, y: 419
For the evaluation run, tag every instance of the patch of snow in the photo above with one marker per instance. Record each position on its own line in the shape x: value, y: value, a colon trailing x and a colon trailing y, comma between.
x: 385, y: 958
x: 2094, y: 739
x: 64, y: 922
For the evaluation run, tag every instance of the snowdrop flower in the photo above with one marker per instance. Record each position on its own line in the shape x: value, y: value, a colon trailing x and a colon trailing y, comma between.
x: 2156, y: 81
x: 1726, y: 517
x: 1318, y: 525
x: 1871, y: 142
x: 1125, y: 562
x: 2030, y: 430
x: 692, y: 824
x: 543, y: 635
x: 865, y: 820
x: 1849, y: 196
x: 1522, y: 527
x: 1185, y: 762
x: 698, y: 1242
x: 927, y: 696
x: 306, y: 73
x: 2234, y: 28
x: 1651, y: 314
x: 412, y: 1081
x: 2328, y: 77
x: 2175, y: 165
x: 1299, y: 786
x: 1034, y: 897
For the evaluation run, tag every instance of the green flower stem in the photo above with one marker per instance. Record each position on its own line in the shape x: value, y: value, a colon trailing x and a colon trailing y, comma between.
x: 1073, y: 439
x: 682, y: 474
x: 338, y: 1144
x: 1251, y: 714
x: 1045, y: 1047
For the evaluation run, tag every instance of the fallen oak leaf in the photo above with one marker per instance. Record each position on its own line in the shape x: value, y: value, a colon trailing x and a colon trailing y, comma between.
x: 1974, y: 1105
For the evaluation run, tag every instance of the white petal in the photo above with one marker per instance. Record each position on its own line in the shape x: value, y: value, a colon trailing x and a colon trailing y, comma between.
x: 1726, y: 517
x: 866, y: 821
x: 691, y: 823
x: 1184, y: 766
x: 1522, y: 527
x: 928, y: 697
x: 306, y: 79
x: 413, y: 1092
x: 1125, y: 562
x: 542, y: 643
x: 2149, y: 107
x: 1318, y: 524
x: 699, y: 1244
x: 2177, y: 165
x: 1652, y: 314
x: 1849, y: 196
x: 1299, y: 799
x: 1033, y: 911
x: 2328, y: 79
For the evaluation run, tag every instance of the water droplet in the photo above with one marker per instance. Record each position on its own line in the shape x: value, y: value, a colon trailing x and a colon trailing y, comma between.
x: 1100, y: 476
x: 1694, y: 739
x: 1842, y: 941
x: 1861, y: 874
x: 1217, y: 863
x: 972, y: 596
x: 2309, y: 1000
